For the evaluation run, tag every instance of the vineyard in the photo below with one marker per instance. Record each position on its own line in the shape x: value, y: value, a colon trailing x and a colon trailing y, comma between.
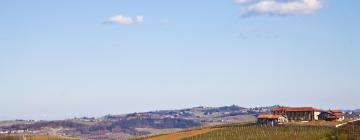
x: 252, y: 132
x: 350, y: 131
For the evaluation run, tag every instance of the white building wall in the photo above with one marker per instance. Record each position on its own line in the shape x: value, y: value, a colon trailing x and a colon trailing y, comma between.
x: 316, y: 115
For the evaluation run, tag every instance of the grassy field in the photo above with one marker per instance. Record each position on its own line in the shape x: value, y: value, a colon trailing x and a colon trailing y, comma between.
x: 7, y: 137
x: 253, y: 132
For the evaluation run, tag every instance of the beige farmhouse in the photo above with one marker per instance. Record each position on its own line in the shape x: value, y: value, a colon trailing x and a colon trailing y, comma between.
x: 298, y: 113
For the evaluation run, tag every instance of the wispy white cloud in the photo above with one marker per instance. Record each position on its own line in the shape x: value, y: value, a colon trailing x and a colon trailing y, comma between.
x: 243, y: 1
x: 125, y: 20
x: 139, y: 19
x: 278, y: 7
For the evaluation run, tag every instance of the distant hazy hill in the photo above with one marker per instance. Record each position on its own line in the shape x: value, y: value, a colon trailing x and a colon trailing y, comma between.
x: 135, y: 124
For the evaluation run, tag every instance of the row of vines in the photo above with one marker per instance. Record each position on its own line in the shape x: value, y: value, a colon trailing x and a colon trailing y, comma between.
x: 350, y: 131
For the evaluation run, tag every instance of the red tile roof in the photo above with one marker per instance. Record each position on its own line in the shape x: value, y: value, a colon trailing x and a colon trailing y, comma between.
x: 336, y: 113
x: 295, y: 109
x: 268, y: 116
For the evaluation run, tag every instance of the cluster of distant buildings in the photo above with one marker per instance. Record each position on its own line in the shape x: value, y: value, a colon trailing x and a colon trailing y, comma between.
x: 281, y: 115
x: 18, y: 131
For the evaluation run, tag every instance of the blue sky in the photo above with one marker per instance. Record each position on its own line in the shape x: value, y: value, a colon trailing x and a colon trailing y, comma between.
x: 65, y: 58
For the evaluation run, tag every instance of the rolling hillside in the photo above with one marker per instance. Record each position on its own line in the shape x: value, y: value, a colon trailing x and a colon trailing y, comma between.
x: 134, y: 124
x: 252, y: 132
